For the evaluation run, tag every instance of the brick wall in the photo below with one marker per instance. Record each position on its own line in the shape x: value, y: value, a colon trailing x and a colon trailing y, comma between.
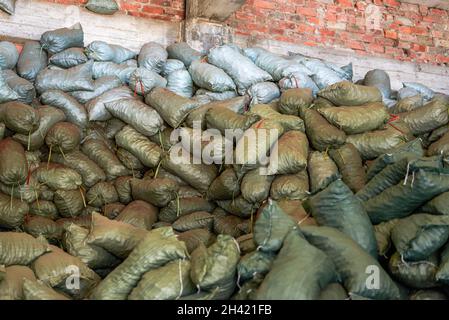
x: 386, y: 28
x: 170, y: 10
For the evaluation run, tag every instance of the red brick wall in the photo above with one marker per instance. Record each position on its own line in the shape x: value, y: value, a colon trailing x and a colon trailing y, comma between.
x: 171, y: 10
x: 407, y: 32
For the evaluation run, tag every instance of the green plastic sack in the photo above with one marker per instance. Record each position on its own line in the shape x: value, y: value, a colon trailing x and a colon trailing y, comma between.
x: 24, y: 88
x: 271, y: 227
x: 137, y: 114
x: 253, y: 264
x: 48, y: 116
x: 70, y: 203
x: 288, y: 122
x: 118, y: 238
x: 102, y: 85
x: 158, y: 192
x: 375, y: 143
x: 74, y: 111
x: 255, y: 187
x: 419, y: 274
x: 11, y: 287
x: 238, y: 206
x: 289, y: 155
x: 322, y: 135
x: 55, y: 267
x: 227, y: 224
x: 93, y: 256
x: 101, y: 194
x: 102, y: 51
x: 224, y: 118
x: 12, y: 211
x: 420, y: 235
x: 383, y: 236
x: 350, y: 166
x: 346, y: 93
x: 168, y: 282
x: 57, y: 176
x: 194, y: 237
x: 353, y: 120
x: 44, y: 208
x: 353, y: 264
x: 225, y: 187
x: 334, y: 291
x: 19, y: 117
x: 31, y: 61
x: 42, y: 226
x: 292, y: 186
x: 337, y: 207
x: 36, y: 290
x: 19, y: 248
x: 146, y: 151
x: 153, y: 56
x: 438, y: 205
x: 195, y: 220
x: 322, y: 171
x: 442, y: 275
x: 8, y: 51
x: 184, y: 206
x: 63, y: 137
x: 172, y: 107
x: 182, y: 51
x: 157, y: 248
x: 402, y: 199
x: 98, y: 152
x: 142, y: 81
x: 427, y: 118
x: 55, y: 41
x: 112, y: 210
x: 440, y: 147
x: 139, y: 214
x: 90, y: 172
x: 216, y: 265
x: 299, y: 272
x: 408, y: 104
x: 209, y: 77
x: 6, y: 93
x: 295, y: 101
x: 107, y: 7
x: 123, y: 187
x: 68, y: 58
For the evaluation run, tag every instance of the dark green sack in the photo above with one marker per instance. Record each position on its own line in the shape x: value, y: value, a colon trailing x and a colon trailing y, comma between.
x: 101, y: 194
x: 102, y: 85
x: 12, y: 212
x: 350, y: 166
x: 295, y: 101
x: 194, y: 237
x: 353, y: 120
x: 55, y: 41
x: 337, y: 207
x: 129, y: 160
x: 254, y: 264
x: 215, y: 266
x: 224, y: 118
x: 123, y: 187
x: 156, y: 249
x: 32, y: 60
x: 172, y: 107
x: 334, y: 291
x: 70, y: 203
x: 45, y: 209
x: 41, y: 226
x: 419, y: 274
x: 48, y: 116
x: 443, y: 270
x: 427, y: 118
x: 63, y: 137
x: 322, y: 135
x: 346, y: 93
x: 438, y: 205
x: 354, y: 265
x: 408, y: 104
x: 225, y: 187
x: 255, y: 187
x: 24, y: 88
x: 402, y: 199
x: 440, y: 147
x: 19, y: 248
x: 36, y: 290
x: 93, y: 256
x: 412, y: 148
x: 68, y: 58
x: 168, y: 282
x: 289, y: 155
x: 271, y: 227
x: 158, y: 192
x: 88, y: 169
x: 57, y: 176
x: 181, y: 207
x: 118, y: 238
x: 322, y: 171
x: 420, y: 235
x: 293, y: 186
x: 383, y: 236
x: 238, y: 207
x: 146, y: 151
x: 299, y: 272
x: 139, y: 214
x: 19, y: 117
x: 99, y: 152
x: 288, y: 122
x: 375, y: 143
x: 195, y: 220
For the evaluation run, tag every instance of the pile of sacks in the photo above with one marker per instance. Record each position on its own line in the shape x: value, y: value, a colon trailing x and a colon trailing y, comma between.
x: 352, y: 178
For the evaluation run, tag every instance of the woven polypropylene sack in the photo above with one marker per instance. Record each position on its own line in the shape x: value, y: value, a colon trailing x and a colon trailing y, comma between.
x: 105, y: 52
x: 32, y: 60
x: 103, y: 6
x: 8, y: 54
x: 60, y: 39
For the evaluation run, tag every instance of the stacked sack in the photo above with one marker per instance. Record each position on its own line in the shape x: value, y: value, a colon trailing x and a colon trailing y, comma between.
x: 89, y: 180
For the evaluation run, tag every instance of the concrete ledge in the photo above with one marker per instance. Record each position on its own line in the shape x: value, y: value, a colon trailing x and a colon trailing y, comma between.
x: 32, y: 18
x: 435, y: 77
